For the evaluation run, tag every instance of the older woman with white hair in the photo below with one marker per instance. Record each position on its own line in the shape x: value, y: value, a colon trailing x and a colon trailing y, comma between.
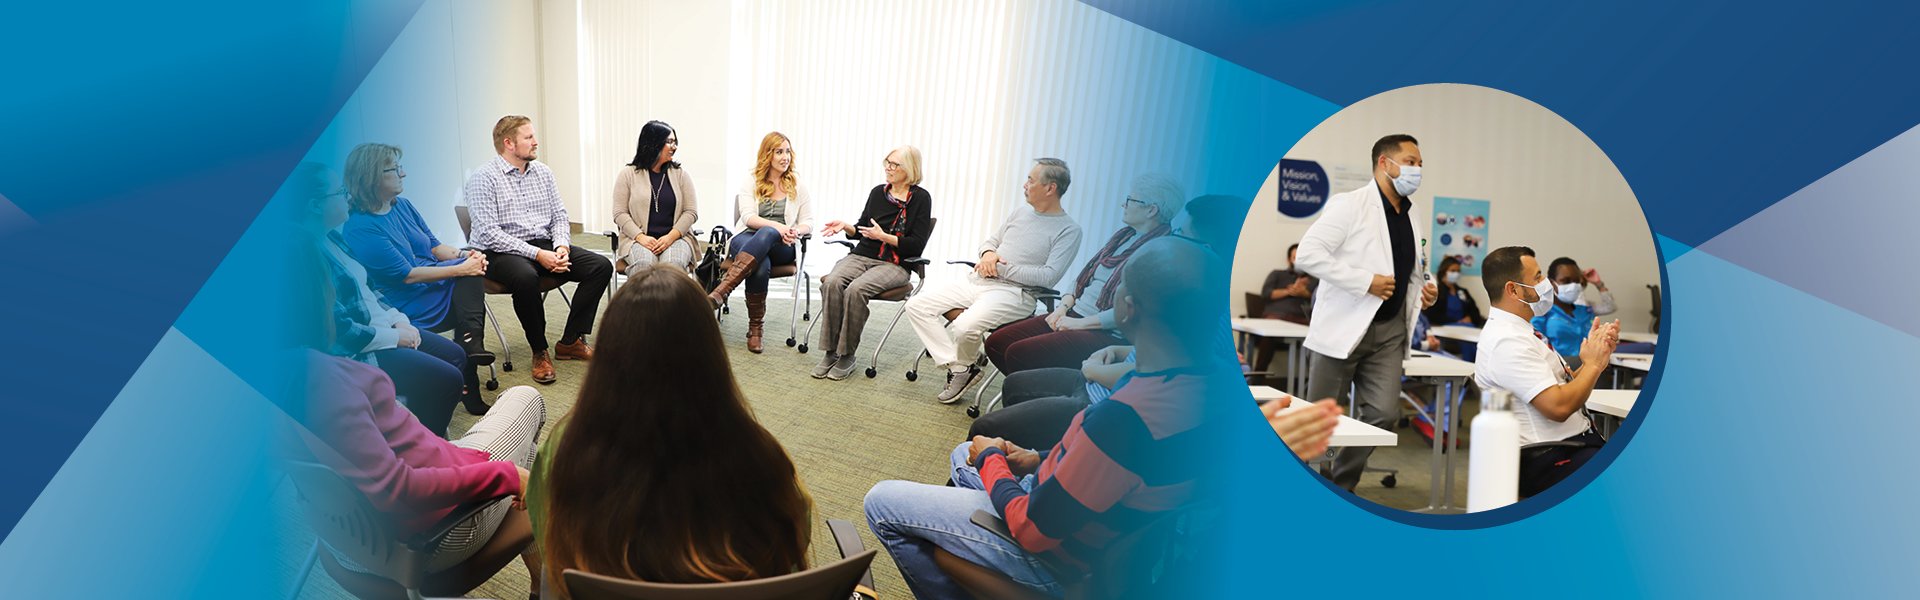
x: 1082, y: 322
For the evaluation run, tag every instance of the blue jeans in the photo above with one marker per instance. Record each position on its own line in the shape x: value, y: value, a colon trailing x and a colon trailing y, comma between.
x: 912, y: 519
x: 764, y: 243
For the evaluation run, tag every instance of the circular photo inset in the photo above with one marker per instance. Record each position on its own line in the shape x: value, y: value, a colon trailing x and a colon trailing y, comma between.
x: 1450, y: 299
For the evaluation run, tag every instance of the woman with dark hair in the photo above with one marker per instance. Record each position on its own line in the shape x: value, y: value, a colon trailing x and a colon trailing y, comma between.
x: 654, y: 205
x: 406, y: 471
x: 684, y: 487
x: 1456, y: 306
x: 775, y: 210
x: 425, y: 368
x: 438, y: 286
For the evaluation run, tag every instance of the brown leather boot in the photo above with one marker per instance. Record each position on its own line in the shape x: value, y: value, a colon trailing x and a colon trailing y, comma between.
x: 756, y: 315
x: 743, y: 263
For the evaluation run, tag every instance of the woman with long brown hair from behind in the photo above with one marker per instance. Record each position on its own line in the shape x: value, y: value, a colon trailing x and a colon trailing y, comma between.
x: 670, y: 485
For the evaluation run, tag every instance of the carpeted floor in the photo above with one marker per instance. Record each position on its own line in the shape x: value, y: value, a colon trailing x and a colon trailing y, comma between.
x: 843, y: 435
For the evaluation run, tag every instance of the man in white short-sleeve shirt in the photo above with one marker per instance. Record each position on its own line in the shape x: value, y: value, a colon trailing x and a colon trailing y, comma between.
x: 1550, y: 398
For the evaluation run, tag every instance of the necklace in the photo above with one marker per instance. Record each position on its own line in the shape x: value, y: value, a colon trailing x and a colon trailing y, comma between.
x: 656, y: 190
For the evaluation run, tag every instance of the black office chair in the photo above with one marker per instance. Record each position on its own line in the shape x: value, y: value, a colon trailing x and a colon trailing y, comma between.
x: 801, y: 287
x: 916, y: 279
x: 1046, y: 296
x: 1132, y: 566
x: 849, y: 578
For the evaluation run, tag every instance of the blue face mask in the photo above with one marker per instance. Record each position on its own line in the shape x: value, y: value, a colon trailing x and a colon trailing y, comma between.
x: 1408, y: 181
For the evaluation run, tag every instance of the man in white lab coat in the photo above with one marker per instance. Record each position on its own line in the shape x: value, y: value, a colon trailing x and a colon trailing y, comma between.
x: 1369, y: 254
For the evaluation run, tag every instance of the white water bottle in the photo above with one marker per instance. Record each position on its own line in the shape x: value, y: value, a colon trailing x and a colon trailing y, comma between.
x: 1493, y: 468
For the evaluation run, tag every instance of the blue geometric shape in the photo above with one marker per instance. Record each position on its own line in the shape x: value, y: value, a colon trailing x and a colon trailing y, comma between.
x: 1676, y: 93
x: 1847, y: 238
x: 1670, y: 249
x: 169, y: 492
x: 13, y: 219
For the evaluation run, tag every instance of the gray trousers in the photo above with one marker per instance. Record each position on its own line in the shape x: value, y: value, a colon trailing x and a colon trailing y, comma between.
x: 1372, y: 372
x: 845, y: 292
x: 679, y: 254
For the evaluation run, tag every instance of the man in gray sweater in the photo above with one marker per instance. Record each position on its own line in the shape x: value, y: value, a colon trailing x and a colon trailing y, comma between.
x: 1033, y: 249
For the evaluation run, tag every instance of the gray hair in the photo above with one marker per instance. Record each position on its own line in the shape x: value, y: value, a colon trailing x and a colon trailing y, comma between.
x: 1054, y: 171
x: 1161, y: 192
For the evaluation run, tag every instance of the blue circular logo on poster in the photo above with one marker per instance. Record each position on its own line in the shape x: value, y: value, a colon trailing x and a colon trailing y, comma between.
x: 1303, y: 188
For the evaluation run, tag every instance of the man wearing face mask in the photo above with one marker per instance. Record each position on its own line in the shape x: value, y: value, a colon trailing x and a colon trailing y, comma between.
x: 1513, y: 357
x: 1367, y: 253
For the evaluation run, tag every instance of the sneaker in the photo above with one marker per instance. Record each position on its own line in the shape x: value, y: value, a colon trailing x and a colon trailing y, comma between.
x: 826, y: 364
x: 957, y: 382
x: 842, y: 369
x: 543, y: 368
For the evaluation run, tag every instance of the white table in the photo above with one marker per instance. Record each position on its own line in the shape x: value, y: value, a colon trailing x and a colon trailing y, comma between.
x: 1635, y: 336
x: 1350, y: 431
x: 1613, y: 402
x: 1445, y: 417
x: 1290, y: 332
x: 1637, y: 362
x: 1461, y: 333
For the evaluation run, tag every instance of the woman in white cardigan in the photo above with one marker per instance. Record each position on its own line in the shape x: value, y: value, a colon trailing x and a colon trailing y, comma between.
x: 774, y: 212
x: 654, y: 205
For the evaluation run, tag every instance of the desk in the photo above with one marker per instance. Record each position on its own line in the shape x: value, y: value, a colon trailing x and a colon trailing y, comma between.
x: 1350, y: 431
x: 1445, y: 417
x: 1612, y: 402
x: 1638, y: 362
x: 1461, y: 333
x: 1635, y: 336
x: 1290, y: 332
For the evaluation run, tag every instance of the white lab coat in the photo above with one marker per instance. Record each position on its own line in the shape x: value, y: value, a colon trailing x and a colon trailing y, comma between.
x: 1345, y: 248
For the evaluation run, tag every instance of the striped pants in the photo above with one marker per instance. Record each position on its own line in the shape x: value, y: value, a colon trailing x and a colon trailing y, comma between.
x: 509, y: 432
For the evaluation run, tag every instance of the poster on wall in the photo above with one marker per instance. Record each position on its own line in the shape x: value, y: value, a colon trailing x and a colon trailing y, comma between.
x: 1303, y: 188
x: 1460, y: 231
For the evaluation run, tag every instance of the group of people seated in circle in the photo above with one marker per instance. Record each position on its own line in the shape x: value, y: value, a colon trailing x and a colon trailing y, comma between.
x: 1111, y: 399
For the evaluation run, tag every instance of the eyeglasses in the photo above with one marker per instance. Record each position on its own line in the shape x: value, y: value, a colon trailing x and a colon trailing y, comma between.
x: 1132, y: 200
x: 673, y: 141
x: 395, y: 169
x: 890, y: 165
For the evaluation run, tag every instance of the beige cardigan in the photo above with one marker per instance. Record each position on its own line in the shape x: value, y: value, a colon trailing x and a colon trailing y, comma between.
x: 799, y: 207
x: 633, y: 200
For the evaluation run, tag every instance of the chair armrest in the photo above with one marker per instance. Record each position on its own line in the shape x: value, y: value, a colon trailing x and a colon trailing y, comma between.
x: 994, y: 525
x: 433, y: 535
x: 848, y: 538
x: 962, y: 262
x: 848, y: 244
x: 1554, y: 444
x: 917, y: 260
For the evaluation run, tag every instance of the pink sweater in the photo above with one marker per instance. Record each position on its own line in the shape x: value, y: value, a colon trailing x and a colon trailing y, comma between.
x: 405, y: 470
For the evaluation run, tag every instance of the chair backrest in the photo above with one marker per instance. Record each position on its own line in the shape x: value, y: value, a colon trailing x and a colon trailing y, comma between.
x: 349, y: 524
x: 465, y: 216
x: 1654, y: 288
x: 1131, y: 565
x: 1256, y: 305
x: 831, y: 582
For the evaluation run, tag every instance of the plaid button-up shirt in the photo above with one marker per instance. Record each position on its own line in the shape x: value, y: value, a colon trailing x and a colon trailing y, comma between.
x: 510, y: 206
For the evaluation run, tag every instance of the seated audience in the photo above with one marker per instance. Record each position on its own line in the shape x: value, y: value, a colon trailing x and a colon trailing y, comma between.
x: 1033, y: 248
x: 1289, y: 292
x: 1566, y: 325
x: 1122, y: 462
x: 425, y: 369
x: 655, y: 213
x: 681, y: 487
x: 1082, y: 321
x: 435, y: 284
x: 1550, y: 398
x: 775, y: 210
x: 1038, y: 404
x: 519, y: 221
x: 873, y: 266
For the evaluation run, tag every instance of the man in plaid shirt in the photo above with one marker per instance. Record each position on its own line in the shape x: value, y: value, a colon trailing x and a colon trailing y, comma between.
x: 519, y: 221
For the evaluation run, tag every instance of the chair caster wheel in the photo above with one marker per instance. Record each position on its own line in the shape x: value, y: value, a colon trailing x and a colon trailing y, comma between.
x: 493, y: 384
x: 791, y: 342
x: 508, y: 367
x: 726, y: 310
x: 912, y: 376
x: 973, y: 411
x: 803, y: 348
x: 1389, y: 481
x: 872, y: 373
x: 806, y: 317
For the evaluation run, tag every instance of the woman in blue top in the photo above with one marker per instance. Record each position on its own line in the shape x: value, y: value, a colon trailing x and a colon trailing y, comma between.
x: 1567, y: 323
x: 437, y: 286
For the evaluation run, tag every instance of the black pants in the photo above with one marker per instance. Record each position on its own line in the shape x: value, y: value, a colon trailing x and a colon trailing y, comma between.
x: 522, y: 276
x: 1040, y: 405
x: 1540, y: 468
x: 468, y: 319
x: 427, y: 378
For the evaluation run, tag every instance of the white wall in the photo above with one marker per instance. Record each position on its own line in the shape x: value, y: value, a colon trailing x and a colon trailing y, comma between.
x: 1548, y: 185
x: 454, y: 70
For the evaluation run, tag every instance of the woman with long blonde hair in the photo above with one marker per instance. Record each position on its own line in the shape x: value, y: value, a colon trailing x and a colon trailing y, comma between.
x: 774, y: 211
